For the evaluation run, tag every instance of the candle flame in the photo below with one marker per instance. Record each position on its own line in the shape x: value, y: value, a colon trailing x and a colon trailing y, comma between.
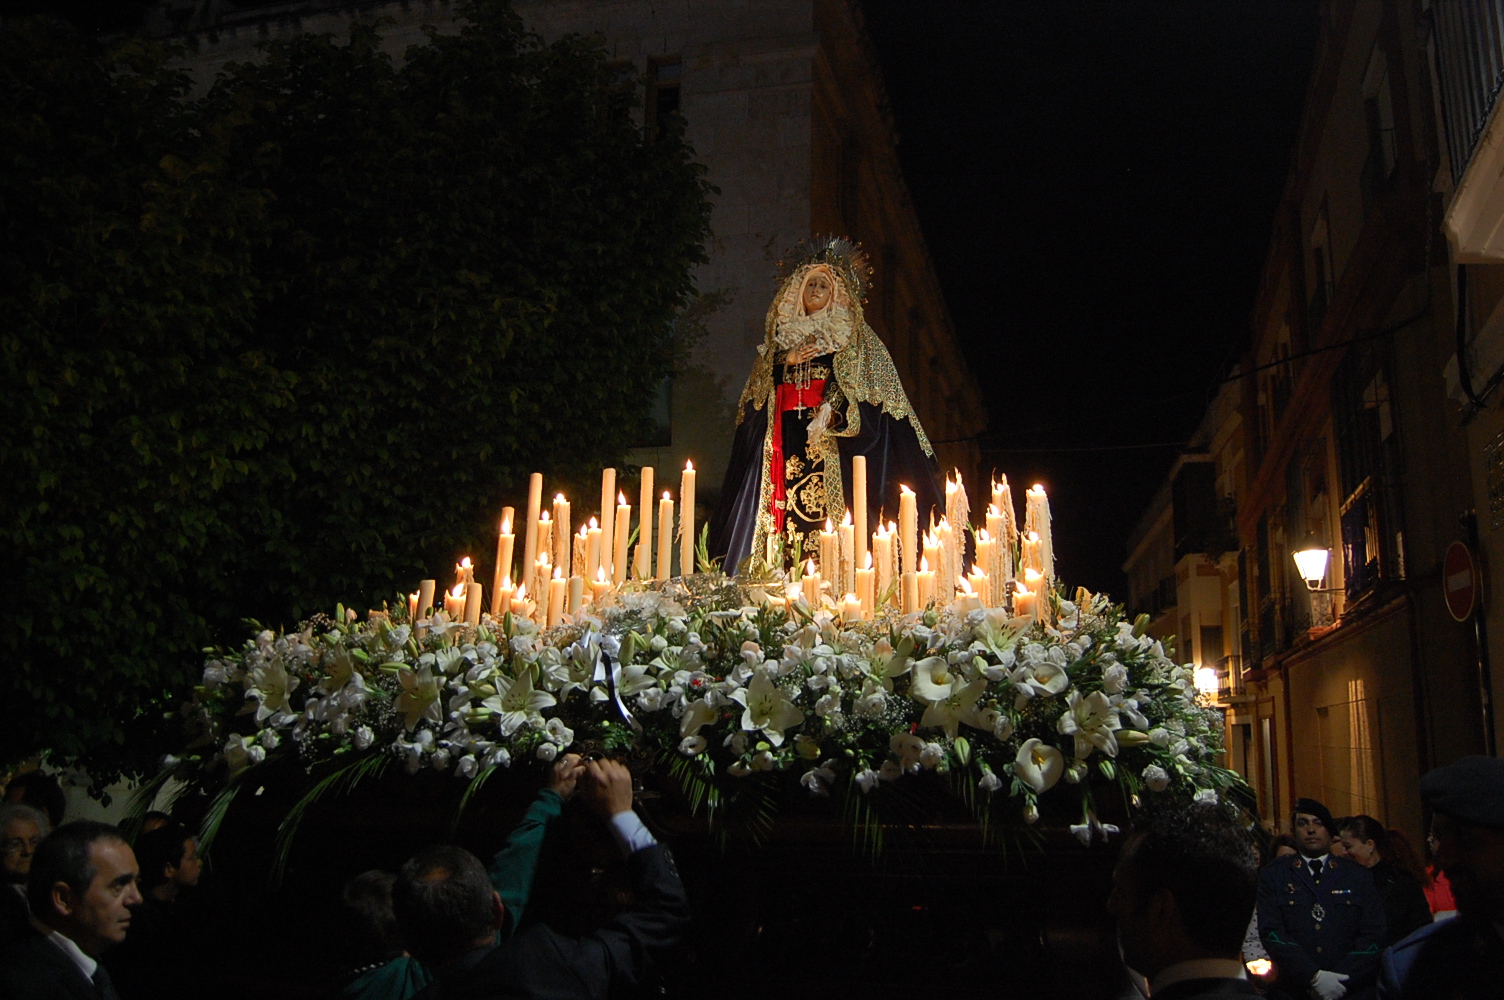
x: 544, y: 518
x: 992, y: 510
x: 1033, y: 536
x: 950, y: 487
x: 584, y: 531
x: 506, y: 526
x: 521, y: 594
x: 1037, y: 488
x: 558, y: 573
x: 506, y: 583
x: 1033, y: 576
x: 667, y: 497
x: 458, y: 593
x: 1023, y: 591
x: 594, y: 524
x: 559, y: 498
x: 621, y: 498
x: 689, y: 466
x: 982, y: 535
x: 846, y: 521
x: 828, y: 528
x: 869, y: 561
x: 924, y: 564
x: 600, y: 574
x: 809, y: 568
x: 892, y: 527
x: 904, y: 489
x: 465, y: 563
x: 965, y: 586
x: 413, y: 595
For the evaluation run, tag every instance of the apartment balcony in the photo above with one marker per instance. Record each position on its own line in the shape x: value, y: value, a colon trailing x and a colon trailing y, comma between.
x: 1469, y: 46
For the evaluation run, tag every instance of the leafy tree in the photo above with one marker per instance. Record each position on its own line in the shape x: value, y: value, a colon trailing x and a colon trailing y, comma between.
x: 292, y: 343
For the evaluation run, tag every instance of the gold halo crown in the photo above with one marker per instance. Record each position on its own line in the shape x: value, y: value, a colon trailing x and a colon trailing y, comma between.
x: 846, y: 258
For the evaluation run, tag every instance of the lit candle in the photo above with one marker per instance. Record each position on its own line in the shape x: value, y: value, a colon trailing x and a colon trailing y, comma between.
x: 930, y: 560
x: 502, y: 599
x: 464, y: 571
x: 576, y: 593
x: 1034, y: 583
x: 687, y: 520
x: 966, y: 598
x: 620, y: 534
x: 426, y: 590
x: 845, y: 532
x: 811, y: 585
x: 412, y: 606
x: 1029, y: 553
x: 859, y: 508
x: 978, y: 583
x: 454, y: 603
x: 644, y: 562
x: 926, y: 583
x: 542, y: 572
x: 830, y: 562
x: 1025, y: 602
x: 563, y: 534
x: 608, y: 493
x: 557, y: 594
x: 983, y: 563
x: 946, y: 569
x: 578, y: 564
x: 910, y: 595
x: 473, y: 594
x: 882, y: 549
x: 599, y: 585
x: 908, y: 538
x: 851, y: 608
x: 864, y: 586
x: 521, y: 606
x: 1037, y: 521
x: 665, y: 537
x: 534, y: 503
x: 592, y: 548
x: 505, y: 542
x: 545, y: 551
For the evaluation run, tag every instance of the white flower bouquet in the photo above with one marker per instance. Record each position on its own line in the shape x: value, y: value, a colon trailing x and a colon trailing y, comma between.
x: 721, y: 688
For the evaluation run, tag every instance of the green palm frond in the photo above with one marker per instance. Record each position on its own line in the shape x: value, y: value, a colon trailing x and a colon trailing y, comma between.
x: 341, y: 781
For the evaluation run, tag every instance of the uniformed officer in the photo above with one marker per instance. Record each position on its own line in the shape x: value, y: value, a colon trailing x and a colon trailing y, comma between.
x: 1461, y: 958
x: 1320, y: 916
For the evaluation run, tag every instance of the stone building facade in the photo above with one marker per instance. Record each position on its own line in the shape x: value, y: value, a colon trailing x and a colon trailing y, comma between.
x: 1348, y: 692
x: 783, y: 102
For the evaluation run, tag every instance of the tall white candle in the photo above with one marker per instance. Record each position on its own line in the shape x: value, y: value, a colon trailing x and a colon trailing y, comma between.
x: 687, y: 520
x: 908, y: 527
x: 829, y: 561
x: 592, y: 549
x: 608, y: 494
x: 864, y: 585
x: 882, y: 551
x: 563, y: 534
x: 534, y: 505
x: 557, y: 594
x: 926, y: 583
x: 576, y: 593
x: 505, y: 541
x: 473, y: 597
x: 859, y: 509
x: 811, y: 584
x: 545, y: 550
x: 644, y: 563
x: 426, y: 590
x: 844, y: 537
x: 620, y: 534
x: 1037, y: 520
x: 665, y: 538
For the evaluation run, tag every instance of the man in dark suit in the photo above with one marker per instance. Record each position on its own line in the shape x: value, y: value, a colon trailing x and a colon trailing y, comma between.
x: 1182, y: 894
x: 1320, y: 916
x: 449, y: 915
x: 83, y: 881
x: 1461, y: 958
x: 22, y: 828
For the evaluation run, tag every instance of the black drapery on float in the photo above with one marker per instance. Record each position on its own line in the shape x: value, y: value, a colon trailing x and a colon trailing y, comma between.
x: 822, y: 390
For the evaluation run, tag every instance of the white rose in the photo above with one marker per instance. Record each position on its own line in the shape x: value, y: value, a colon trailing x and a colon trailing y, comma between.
x: 866, y: 780
x: 270, y: 739
x: 467, y: 766
x: 547, y: 751
x: 990, y: 782
x: 931, y: 755
x: 440, y: 759
x: 1208, y: 795
x: 364, y: 737
x: 1156, y: 777
x: 1115, y: 679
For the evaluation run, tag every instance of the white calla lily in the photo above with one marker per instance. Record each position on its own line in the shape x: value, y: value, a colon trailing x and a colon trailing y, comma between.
x: 1039, y: 765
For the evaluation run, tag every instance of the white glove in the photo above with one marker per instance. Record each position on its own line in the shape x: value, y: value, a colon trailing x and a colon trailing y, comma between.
x: 1329, y: 985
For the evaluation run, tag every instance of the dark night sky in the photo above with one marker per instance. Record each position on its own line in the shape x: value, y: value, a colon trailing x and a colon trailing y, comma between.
x: 1097, y: 184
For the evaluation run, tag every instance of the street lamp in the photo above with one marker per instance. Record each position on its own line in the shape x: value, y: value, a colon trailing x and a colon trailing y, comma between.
x: 1311, y: 559
x: 1207, y: 681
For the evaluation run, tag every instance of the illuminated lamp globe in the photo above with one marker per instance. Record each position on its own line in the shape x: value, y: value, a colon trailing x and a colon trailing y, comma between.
x: 1207, y: 681
x: 1311, y: 561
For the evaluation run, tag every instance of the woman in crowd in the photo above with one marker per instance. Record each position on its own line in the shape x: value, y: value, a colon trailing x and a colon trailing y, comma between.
x: 1396, y: 873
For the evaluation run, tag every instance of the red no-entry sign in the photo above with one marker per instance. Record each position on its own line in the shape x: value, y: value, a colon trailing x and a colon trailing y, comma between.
x: 1459, y: 581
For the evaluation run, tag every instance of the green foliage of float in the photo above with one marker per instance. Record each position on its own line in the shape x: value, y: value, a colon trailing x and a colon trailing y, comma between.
x: 286, y: 342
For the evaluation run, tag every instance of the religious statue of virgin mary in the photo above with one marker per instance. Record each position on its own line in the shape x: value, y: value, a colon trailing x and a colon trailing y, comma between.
x: 823, y: 389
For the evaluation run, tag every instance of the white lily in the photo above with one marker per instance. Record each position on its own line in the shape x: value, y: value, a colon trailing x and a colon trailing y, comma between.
x: 697, y: 715
x: 1092, y: 721
x: 952, y: 700
x: 1039, y: 765
x: 272, y: 687
x: 767, y: 708
x: 516, y: 702
x: 1092, y: 828
x: 419, y: 698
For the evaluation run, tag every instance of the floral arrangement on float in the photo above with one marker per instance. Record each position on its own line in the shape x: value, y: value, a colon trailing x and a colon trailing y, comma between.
x: 729, y: 683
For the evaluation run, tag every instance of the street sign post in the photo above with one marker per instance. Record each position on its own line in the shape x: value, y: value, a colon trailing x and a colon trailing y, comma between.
x: 1459, y: 581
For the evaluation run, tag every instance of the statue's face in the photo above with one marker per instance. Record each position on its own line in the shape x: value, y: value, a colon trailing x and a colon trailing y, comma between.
x: 819, y: 289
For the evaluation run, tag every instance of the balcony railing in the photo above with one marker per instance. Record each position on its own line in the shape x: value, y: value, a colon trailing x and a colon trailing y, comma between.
x: 1470, y: 62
